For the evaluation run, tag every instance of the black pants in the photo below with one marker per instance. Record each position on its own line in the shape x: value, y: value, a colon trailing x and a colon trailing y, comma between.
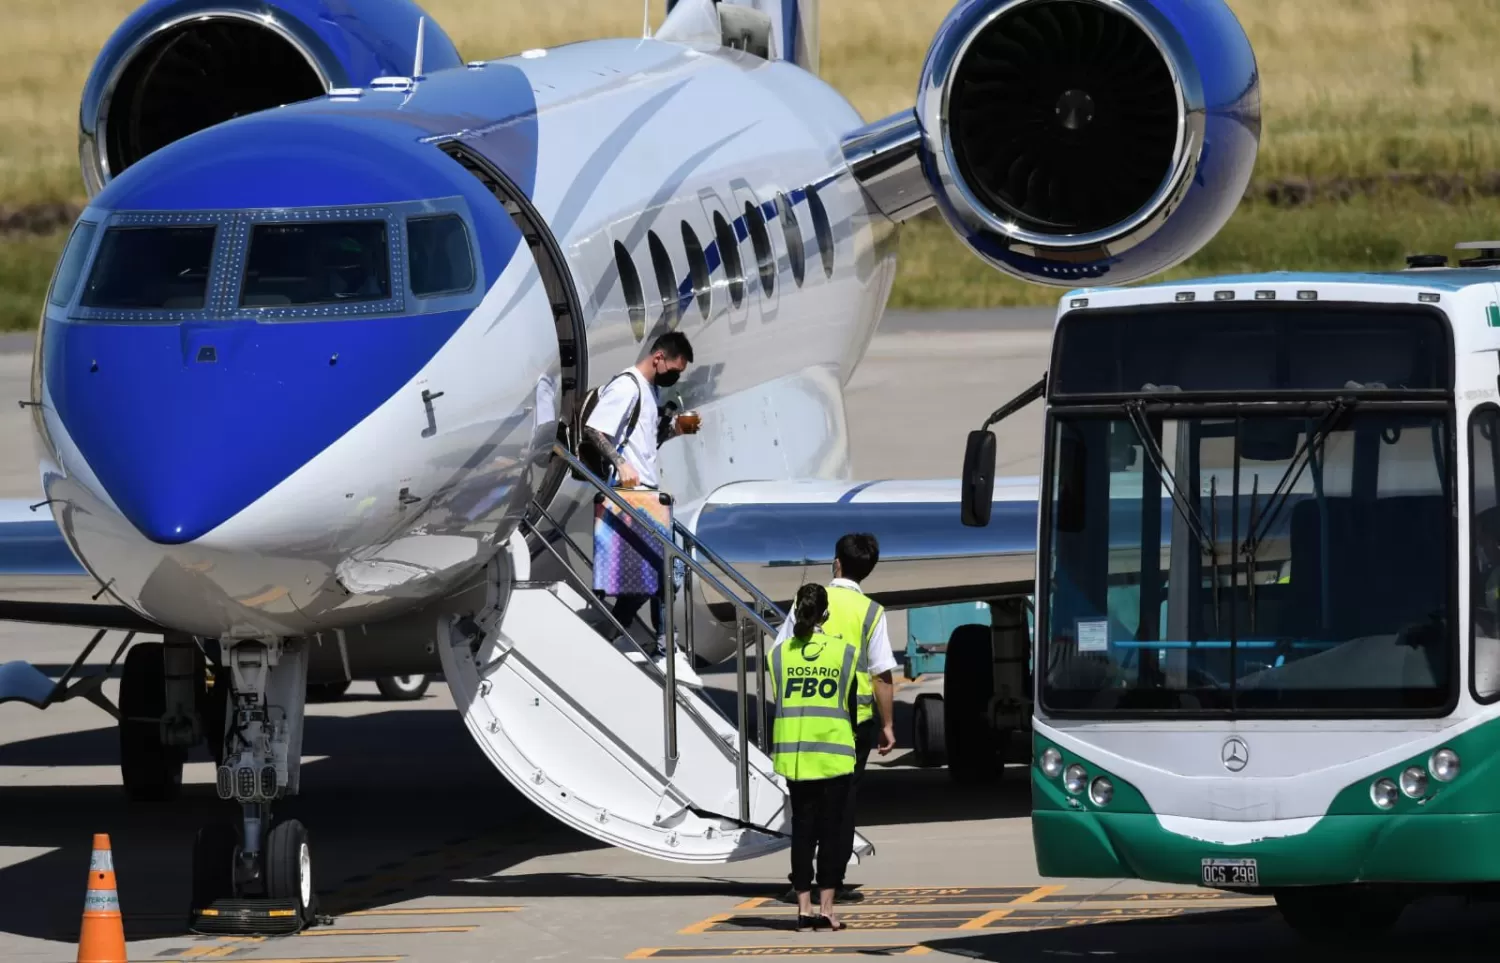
x: 818, y: 808
x: 864, y: 740
x: 626, y: 607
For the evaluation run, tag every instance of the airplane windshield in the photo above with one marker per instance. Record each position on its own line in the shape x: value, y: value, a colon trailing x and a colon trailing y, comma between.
x: 165, y: 268
x: 1309, y: 571
x: 317, y: 263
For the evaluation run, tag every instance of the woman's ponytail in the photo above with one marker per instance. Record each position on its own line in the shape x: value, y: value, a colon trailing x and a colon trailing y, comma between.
x: 810, y: 610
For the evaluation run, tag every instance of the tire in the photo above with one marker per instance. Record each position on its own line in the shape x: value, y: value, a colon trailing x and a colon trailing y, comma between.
x: 150, y: 771
x: 327, y: 691
x: 1339, y: 914
x: 214, y: 853
x: 403, y: 688
x: 929, y: 747
x: 968, y: 686
x: 288, y: 866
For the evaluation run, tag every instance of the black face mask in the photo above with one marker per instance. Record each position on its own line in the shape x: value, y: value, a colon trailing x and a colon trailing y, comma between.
x: 667, y: 379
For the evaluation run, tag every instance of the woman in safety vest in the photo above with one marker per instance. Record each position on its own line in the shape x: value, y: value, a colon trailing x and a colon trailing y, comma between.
x: 814, y: 749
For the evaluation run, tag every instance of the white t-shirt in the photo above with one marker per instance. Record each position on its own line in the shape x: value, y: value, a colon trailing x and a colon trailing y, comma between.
x: 610, y: 414
x: 881, y: 658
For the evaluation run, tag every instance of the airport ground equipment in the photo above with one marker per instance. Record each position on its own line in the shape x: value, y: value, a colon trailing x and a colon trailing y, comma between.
x: 1267, y: 619
x: 301, y: 368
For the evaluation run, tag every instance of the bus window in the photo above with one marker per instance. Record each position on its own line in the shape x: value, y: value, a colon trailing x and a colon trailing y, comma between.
x: 1484, y: 566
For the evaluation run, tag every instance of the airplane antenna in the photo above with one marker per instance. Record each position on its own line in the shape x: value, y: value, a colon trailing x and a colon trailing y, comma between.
x: 416, y: 70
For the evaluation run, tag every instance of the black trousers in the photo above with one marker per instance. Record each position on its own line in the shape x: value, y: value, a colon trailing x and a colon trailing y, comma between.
x: 818, y: 815
x: 865, y: 735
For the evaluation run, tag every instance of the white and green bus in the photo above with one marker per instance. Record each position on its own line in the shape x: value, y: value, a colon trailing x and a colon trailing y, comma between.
x: 1268, y: 588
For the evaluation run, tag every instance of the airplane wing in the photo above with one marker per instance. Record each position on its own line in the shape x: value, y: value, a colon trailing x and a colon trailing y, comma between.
x: 780, y: 534
x: 41, y: 581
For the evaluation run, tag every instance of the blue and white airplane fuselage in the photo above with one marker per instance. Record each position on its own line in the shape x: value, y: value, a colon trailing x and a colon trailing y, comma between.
x: 260, y: 492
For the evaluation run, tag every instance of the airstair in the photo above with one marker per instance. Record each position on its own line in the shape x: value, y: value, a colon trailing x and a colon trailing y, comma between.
x: 600, y: 736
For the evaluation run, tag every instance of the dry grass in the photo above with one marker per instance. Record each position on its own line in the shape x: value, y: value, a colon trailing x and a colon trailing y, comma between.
x: 1350, y: 86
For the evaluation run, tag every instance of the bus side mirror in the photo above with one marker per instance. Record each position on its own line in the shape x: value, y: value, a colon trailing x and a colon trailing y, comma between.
x: 978, y: 481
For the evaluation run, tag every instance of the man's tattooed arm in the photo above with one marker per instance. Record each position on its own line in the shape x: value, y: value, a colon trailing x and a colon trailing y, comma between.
x: 606, y: 446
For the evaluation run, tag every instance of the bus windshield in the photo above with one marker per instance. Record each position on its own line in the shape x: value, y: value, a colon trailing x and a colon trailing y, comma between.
x: 1304, y: 566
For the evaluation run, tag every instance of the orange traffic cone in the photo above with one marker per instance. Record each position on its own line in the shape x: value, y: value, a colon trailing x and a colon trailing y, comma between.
x: 102, y: 939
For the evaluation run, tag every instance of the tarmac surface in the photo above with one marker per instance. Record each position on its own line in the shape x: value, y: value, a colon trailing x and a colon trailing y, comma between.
x: 425, y: 854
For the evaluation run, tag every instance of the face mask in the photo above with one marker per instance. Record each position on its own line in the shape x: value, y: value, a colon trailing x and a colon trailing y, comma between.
x: 667, y: 379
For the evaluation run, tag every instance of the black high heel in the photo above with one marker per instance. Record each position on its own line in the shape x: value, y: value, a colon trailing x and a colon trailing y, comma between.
x: 807, y: 922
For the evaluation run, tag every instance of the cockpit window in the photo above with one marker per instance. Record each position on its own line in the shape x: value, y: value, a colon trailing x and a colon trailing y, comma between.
x: 165, y: 268
x: 441, y: 261
x: 319, y: 263
x: 65, y: 282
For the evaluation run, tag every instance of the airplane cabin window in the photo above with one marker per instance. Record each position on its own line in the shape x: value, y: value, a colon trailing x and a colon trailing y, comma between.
x: 765, y: 258
x: 729, y: 254
x: 630, y: 287
x: 822, y: 229
x: 442, y: 262
x: 697, y: 269
x: 165, y: 268
x: 666, y: 279
x: 65, y: 282
x: 793, y: 231
x: 320, y: 263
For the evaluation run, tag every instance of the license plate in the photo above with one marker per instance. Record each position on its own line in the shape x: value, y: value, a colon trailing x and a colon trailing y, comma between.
x: 1230, y: 872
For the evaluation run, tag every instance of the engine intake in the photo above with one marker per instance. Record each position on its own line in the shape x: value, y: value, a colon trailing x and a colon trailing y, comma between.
x: 1071, y: 141
x: 175, y: 67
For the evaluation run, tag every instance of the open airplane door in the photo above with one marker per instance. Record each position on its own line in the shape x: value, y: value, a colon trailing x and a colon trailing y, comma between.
x: 579, y: 727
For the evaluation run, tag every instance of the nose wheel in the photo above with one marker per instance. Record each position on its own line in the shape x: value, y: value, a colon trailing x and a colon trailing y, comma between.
x: 265, y: 893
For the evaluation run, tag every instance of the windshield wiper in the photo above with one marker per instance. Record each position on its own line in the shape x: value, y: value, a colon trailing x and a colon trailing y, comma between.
x: 1260, y: 528
x: 1208, y: 544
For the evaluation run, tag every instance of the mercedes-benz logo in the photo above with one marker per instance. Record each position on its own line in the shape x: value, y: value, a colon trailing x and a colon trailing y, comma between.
x: 1235, y: 755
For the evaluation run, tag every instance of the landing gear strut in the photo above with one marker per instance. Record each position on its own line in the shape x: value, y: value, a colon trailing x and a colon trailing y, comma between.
x: 256, y: 877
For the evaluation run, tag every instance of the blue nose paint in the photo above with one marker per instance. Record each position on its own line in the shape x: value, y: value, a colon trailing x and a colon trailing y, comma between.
x: 182, y: 446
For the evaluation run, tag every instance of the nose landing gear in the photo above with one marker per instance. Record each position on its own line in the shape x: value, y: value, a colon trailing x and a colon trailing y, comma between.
x: 257, y: 878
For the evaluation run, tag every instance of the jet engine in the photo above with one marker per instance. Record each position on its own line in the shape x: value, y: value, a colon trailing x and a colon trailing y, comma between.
x: 175, y: 67
x: 1074, y: 142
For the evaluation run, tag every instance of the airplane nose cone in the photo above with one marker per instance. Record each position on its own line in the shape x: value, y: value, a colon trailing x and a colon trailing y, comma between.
x: 182, y: 438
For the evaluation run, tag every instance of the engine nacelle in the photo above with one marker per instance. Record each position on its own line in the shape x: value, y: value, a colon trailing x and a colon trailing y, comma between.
x: 1078, y: 142
x: 175, y: 67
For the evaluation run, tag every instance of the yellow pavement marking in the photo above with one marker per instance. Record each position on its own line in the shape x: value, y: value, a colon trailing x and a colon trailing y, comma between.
x: 319, y: 959
x: 702, y: 925
x: 1036, y: 895
x: 754, y: 903
x: 223, y: 946
x: 783, y: 949
x: 434, y: 911
x: 388, y: 930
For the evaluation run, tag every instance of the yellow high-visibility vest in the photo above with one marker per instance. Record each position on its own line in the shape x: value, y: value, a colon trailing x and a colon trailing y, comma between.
x: 853, y: 615
x: 813, y: 737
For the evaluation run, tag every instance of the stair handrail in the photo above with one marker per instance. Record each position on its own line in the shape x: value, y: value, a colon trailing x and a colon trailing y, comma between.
x: 670, y: 553
x: 649, y: 527
x: 735, y: 574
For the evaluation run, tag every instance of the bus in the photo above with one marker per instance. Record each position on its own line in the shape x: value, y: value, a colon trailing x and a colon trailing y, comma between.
x: 1267, y: 640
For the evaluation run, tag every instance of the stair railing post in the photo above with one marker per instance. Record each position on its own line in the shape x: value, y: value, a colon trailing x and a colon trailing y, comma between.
x: 669, y: 649
x: 742, y: 695
x: 763, y: 686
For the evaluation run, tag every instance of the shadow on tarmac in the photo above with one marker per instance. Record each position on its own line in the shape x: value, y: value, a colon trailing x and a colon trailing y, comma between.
x: 403, y: 806
x: 1436, y: 929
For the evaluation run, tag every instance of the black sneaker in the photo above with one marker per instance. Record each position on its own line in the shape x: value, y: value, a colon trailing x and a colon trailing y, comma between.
x: 849, y: 895
x: 790, y: 896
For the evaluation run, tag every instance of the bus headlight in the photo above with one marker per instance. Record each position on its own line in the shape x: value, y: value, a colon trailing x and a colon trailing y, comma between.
x: 1414, y: 782
x: 1444, y: 765
x: 1052, y: 766
x: 1383, y: 793
x: 1101, y: 791
x: 1075, y: 779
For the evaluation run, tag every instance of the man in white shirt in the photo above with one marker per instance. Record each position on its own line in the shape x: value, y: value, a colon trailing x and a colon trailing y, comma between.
x: 854, y: 615
x: 626, y: 428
